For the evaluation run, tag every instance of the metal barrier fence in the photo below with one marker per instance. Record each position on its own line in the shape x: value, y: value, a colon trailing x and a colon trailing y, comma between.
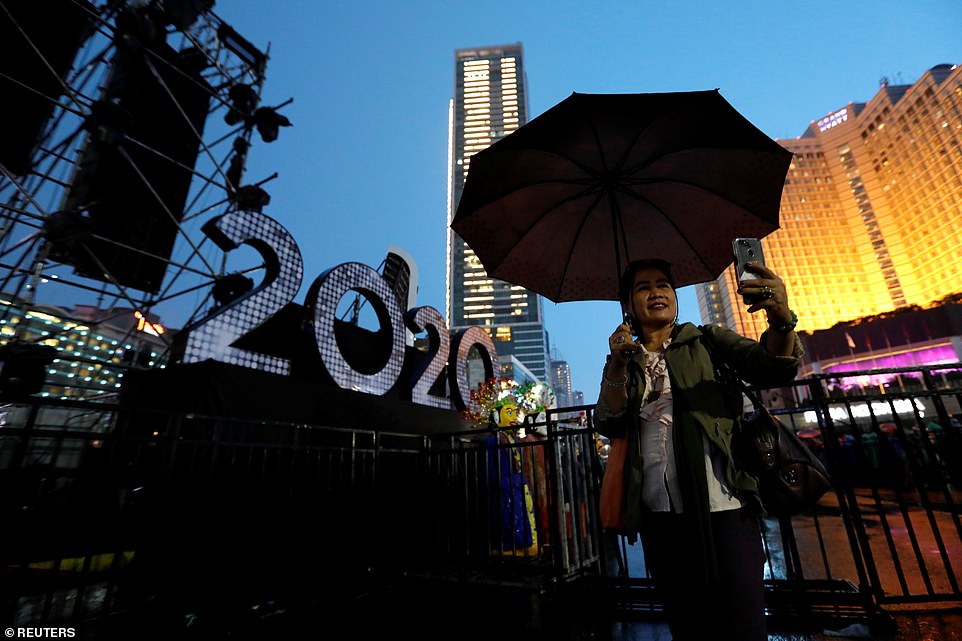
x: 160, y: 516
x: 889, y: 534
x: 896, y: 454
x: 111, y: 510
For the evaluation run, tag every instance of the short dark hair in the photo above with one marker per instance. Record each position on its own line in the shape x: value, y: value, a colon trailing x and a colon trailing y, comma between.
x: 628, y: 277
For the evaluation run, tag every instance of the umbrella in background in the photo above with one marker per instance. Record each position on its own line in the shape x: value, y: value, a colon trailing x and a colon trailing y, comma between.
x: 561, y: 205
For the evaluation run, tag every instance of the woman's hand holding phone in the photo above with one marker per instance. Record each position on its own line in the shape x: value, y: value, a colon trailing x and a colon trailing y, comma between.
x: 766, y: 291
x: 747, y: 251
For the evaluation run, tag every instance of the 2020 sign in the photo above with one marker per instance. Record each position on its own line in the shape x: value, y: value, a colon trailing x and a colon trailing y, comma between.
x: 213, y: 337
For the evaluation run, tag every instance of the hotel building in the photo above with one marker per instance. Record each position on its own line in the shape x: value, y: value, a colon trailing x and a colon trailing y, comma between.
x: 489, y: 103
x: 870, y: 213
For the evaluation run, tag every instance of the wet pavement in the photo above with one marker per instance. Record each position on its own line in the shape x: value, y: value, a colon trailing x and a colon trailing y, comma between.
x: 492, y: 607
x: 485, y: 612
x: 461, y: 609
x: 465, y: 609
x: 928, y: 626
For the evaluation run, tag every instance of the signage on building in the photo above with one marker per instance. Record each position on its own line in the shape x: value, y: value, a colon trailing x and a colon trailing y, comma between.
x: 215, y: 336
x: 147, y: 327
x: 832, y: 120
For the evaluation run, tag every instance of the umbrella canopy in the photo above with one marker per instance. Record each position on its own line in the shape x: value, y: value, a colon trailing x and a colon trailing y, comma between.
x: 564, y: 203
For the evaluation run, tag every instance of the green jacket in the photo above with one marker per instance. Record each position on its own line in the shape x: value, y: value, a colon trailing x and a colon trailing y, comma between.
x: 698, y: 397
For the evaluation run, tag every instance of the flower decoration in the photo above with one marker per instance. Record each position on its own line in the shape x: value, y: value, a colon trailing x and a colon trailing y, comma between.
x: 534, y: 398
x: 504, y: 402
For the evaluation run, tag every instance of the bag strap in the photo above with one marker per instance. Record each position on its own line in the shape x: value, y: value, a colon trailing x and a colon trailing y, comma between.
x: 724, y: 371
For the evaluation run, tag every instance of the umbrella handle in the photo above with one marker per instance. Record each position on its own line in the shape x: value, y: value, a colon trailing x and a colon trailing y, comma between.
x: 632, y: 348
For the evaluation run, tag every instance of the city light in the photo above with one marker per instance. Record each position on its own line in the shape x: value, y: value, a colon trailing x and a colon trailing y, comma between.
x: 878, y: 409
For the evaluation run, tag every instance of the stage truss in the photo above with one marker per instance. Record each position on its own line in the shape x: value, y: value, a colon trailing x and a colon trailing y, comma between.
x: 43, y: 230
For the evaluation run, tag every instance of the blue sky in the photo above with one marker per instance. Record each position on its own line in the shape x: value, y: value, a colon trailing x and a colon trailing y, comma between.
x: 363, y: 166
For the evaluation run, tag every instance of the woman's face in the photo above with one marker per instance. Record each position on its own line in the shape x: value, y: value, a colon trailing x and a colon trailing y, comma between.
x: 652, y: 301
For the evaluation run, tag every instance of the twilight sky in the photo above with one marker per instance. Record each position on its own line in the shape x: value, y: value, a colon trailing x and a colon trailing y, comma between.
x: 364, y: 166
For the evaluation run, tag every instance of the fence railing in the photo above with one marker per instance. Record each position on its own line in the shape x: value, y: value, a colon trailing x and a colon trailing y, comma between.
x: 889, y: 533
x: 896, y: 454
x: 109, y: 509
x: 117, y: 510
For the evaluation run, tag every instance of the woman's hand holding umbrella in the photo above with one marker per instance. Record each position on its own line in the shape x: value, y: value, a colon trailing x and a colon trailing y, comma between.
x: 622, y: 347
x: 615, y: 377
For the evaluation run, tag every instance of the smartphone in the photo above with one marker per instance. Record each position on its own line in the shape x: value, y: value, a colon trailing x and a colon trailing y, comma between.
x: 747, y: 250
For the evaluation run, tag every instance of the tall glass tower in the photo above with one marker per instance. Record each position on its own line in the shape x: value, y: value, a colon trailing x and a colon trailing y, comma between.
x: 489, y: 103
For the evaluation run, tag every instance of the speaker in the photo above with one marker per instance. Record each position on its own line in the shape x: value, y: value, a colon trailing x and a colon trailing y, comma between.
x: 23, y: 369
x: 39, y: 43
x: 135, y: 169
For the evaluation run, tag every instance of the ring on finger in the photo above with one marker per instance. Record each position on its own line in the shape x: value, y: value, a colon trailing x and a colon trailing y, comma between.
x: 767, y: 292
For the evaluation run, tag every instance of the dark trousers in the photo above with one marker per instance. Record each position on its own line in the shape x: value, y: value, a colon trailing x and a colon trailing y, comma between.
x: 732, y: 611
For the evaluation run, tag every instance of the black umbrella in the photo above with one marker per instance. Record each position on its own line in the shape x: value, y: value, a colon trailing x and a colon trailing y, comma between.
x: 564, y: 203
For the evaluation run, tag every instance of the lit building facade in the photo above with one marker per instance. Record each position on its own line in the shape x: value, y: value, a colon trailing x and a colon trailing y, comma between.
x: 514, y: 369
x: 870, y: 211
x: 93, y: 347
x: 925, y: 337
x: 489, y: 103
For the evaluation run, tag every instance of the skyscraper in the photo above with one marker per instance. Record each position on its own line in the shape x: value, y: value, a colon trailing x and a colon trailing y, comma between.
x: 870, y: 212
x: 560, y: 381
x: 489, y: 103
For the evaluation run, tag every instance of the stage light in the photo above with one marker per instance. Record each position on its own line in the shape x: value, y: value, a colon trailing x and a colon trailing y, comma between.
x: 268, y: 123
x: 250, y: 198
x: 243, y: 101
x: 230, y: 287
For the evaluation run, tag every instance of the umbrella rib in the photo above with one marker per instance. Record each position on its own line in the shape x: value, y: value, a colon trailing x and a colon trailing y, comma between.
x: 619, y: 166
x: 625, y: 187
x: 670, y: 221
x: 584, y: 220
x: 592, y: 183
x: 616, y: 213
x: 601, y: 150
x: 648, y: 161
x: 523, y: 235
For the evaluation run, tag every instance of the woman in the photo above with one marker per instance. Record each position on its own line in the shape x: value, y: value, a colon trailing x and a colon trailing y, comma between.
x: 695, y: 511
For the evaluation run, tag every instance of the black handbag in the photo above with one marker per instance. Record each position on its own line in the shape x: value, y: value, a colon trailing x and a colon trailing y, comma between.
x: 791, y: 478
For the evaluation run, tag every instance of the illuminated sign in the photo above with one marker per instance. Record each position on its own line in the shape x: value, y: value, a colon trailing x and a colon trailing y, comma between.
x: 214, y: 337
x: 879, y: 409
x: 832, y: 120
x: 145, y: 326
